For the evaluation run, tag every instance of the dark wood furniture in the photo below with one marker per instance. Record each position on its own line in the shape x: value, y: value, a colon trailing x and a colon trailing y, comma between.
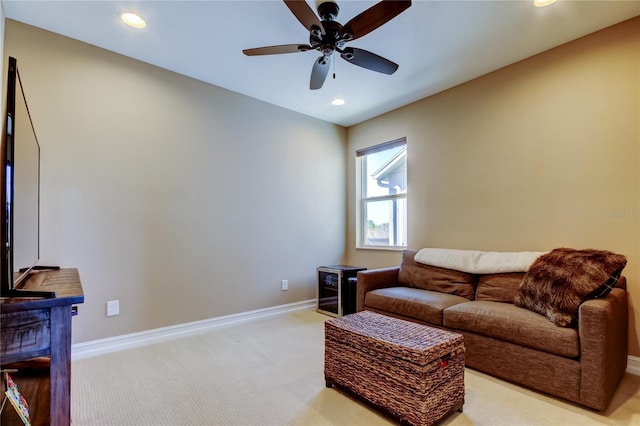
x: 34, y: 328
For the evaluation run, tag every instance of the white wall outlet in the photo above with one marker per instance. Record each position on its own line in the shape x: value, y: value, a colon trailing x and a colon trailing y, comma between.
x: 113, y: 308
x: 284, y: 285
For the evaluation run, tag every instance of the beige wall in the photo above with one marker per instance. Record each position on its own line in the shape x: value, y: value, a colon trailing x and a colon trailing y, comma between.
x: 540, y: 154
x: 182, y: 200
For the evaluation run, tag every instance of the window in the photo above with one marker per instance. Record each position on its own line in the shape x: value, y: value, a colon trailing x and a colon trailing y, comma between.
x: 382, y: 184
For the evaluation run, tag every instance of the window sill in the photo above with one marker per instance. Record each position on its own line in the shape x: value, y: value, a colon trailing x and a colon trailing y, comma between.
x: 381, y: 248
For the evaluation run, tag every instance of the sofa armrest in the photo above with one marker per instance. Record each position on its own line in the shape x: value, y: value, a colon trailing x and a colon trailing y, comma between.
x: 373, y: 279
x: 603, y: 330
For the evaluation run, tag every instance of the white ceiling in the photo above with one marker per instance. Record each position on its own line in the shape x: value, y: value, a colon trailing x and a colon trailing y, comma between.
x: 438, y: 44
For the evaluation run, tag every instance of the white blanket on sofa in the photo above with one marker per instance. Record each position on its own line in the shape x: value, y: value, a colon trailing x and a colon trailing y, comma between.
x: 478, y: 262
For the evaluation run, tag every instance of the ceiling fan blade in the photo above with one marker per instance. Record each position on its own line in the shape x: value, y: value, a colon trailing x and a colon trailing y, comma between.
x: 368, y: 60
x: 374, y: 17
x: 275, y: 50
x: 303, y: 12
x: 319, y: 72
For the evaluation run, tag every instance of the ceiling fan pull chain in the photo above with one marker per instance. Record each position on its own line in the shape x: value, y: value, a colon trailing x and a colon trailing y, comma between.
x: 334, y: 70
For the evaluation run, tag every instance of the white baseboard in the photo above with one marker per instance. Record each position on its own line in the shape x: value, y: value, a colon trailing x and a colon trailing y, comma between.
x: 633, y: 365
x: 133, y: 340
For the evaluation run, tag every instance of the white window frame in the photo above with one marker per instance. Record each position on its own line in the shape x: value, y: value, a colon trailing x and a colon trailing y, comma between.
x: 362, y: 200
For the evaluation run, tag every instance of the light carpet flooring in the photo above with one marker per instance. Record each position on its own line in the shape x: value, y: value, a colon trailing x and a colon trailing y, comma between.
x: 270, y: 372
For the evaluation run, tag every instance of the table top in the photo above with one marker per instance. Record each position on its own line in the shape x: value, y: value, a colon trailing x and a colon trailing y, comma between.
x: 343, y: 267
x: 64, y: 282
x: 408, y: 340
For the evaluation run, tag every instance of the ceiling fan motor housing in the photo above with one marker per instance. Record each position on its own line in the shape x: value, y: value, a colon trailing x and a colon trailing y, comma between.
x: 329, y: 42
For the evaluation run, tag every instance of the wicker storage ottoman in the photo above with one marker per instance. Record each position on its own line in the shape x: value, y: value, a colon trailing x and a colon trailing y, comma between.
x: 413, y: 371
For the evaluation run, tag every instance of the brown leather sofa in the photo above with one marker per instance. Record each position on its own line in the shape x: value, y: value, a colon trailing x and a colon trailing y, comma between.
x: 581, y: 364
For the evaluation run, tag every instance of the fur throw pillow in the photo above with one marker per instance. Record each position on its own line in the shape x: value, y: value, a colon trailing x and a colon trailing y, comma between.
x: 559, y: 281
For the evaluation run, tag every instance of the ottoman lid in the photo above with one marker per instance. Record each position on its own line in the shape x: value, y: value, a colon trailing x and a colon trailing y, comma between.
x: 417, y: 343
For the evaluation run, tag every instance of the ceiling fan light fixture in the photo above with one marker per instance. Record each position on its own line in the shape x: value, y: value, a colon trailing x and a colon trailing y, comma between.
x: 337, y: 102
x: 133, y: 20
x: 543, y: 3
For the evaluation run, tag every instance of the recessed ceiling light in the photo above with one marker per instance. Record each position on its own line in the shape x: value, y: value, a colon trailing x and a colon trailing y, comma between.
x: 543, y: 3
x: 133, y: 20
x: 337, y: 102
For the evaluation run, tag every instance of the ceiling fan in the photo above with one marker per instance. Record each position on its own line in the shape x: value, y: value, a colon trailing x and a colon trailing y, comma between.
x: 327, y: 36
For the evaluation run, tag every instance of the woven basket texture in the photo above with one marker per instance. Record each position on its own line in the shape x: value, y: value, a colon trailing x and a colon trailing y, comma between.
x: 396, y: 365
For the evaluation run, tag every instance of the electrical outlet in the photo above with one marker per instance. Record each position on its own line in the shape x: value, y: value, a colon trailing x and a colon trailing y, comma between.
x: 284, y: 285
x: 113, y: 308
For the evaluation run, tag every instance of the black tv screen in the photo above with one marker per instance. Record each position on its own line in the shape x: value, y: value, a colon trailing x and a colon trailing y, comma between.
x: 20, y: 186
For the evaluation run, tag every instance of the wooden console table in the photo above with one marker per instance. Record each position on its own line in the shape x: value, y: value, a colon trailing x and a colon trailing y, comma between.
x: 38, y: 327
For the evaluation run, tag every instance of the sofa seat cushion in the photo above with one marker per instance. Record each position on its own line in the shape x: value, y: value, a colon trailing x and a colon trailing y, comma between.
x: 414, y: 303
x: 512, y: 324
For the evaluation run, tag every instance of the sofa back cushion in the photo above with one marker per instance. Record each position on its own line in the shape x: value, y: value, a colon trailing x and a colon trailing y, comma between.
x: 499, y: 287
x: 418, y: 275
